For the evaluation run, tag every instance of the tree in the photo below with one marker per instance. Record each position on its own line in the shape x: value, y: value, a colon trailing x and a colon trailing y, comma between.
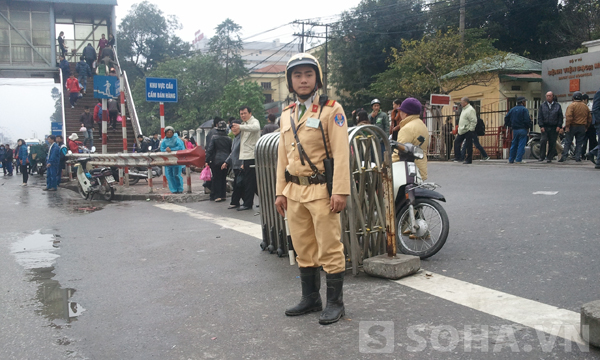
x: 199, y: 80
x: 236, y: 95
x: 56, y: 96
x: 226, y: 46
x: 146, y: 38
x: 418, y: 68
x: 361, y: 44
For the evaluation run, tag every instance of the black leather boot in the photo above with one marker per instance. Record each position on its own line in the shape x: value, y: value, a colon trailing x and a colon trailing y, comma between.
x: 310, y: 278
x: 334, y: 309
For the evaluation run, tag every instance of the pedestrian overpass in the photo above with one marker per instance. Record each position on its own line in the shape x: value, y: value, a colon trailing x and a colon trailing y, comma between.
x: 29, y: 47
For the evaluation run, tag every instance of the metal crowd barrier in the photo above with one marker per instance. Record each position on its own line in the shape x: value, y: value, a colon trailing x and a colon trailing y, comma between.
x: 368, y: 222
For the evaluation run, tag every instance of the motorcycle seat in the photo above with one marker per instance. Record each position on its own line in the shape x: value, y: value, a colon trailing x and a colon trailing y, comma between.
x: 95, y: 171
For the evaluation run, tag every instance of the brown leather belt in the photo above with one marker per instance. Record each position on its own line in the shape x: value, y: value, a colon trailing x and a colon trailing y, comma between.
x: 305, y: 180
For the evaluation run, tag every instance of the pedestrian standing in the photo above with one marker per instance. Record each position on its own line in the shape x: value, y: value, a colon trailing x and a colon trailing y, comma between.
x: 466, y: 131
x: 578, y: 119
x: 590, y: 134
x: 520, y: 122
x: 98, y: 111
x: 52, y: 164
x: 233, y: 162
x: 447, y: 138
x: 87, y: 121
x: 62, y: 163
x: 22, y: 159
x: 111, y: 40
x: 250, y: 129
x: 84, y: 71
x: 302, y: 186
x: 72, y: 86
x: 172, y: 142
x: 113, y: 112
x: 271, y: 126
x: 395, y: 119
x: 2, y: 158
x: 550, y: 120
x: 102, y: 43
x: 217, y: 153
x: 61, y: 43
x: 155, y: 142
x: 8, y: 158
x: 596, y: 119
x: 378, y: 117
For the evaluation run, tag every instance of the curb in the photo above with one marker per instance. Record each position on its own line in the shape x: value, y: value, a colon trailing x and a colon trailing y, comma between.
x: 171, y: 198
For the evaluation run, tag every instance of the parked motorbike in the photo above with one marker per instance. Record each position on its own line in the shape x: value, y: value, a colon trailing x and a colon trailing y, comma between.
x: 94, y: 181
x: 534, y: 143
x: 422, y: 224
x: 141, y: 172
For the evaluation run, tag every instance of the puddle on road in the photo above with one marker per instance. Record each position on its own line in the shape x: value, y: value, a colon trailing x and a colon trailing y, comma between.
x: 35, y: 253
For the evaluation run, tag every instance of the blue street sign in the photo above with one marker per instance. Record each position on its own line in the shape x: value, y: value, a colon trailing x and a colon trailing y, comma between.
x: 106, y: 87
x: 161, y: 90
x: 56, y: 126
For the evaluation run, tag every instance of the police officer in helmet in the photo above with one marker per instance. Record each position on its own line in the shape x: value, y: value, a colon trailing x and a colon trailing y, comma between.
x: 314, y: 132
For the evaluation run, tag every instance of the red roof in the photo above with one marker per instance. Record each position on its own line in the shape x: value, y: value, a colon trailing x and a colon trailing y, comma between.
x: 271, y: 69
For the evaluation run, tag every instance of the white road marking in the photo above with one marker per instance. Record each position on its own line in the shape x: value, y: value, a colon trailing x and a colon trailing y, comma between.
x: 549, y: 319
x: 545, y: 193
x: 242, y: 226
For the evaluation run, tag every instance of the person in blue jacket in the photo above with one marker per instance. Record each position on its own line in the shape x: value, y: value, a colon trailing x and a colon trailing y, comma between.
x: 520, y: 122
x: 52, y: 163
x: 22, y: 159
x: 172, y: 142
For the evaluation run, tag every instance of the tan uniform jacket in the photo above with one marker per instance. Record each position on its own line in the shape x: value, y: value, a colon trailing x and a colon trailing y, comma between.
x: 410, y: 129
x: 578, y: 113
x: 335, y: 126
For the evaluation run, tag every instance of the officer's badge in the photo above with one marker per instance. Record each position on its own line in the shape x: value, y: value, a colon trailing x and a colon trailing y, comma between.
x: 340, y: 119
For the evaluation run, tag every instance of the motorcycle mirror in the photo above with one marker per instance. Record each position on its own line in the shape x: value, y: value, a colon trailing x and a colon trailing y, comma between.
x: 421, y: 140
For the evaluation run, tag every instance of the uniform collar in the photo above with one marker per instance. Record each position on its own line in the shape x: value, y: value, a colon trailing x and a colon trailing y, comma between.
x: 308, y: 102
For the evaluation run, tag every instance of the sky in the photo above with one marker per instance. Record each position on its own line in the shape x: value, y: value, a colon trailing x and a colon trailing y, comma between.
x: 27, y: 104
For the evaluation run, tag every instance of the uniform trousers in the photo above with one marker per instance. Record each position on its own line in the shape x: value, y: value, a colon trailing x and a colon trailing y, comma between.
x: 316, y: 233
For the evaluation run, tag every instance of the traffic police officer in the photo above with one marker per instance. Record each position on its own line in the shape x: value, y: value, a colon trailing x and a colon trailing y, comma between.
x: 307, y: 126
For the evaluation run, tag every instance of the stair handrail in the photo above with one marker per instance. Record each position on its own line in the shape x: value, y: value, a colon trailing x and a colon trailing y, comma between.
x: 135, y: 123
x: 62, y: 103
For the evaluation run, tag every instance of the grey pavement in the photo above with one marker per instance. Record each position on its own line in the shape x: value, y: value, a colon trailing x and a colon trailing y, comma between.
x: 160, y: 284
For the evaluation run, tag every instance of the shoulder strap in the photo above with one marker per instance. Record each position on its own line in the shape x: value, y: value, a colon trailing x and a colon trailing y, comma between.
x: 322, y: 101
x: 300, y: 148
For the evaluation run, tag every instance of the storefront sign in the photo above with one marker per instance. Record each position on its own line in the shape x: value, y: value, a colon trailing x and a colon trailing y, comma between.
x: 563, y: 76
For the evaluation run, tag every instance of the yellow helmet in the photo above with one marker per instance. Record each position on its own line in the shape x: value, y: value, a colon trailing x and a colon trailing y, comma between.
x: 303, y: 59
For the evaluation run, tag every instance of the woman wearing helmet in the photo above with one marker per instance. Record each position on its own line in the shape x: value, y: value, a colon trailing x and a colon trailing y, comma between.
x: 172, y: 142
x: 314, y: 129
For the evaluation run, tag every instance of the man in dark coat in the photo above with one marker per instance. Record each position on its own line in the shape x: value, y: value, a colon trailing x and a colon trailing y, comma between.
x: 550, y: 120
x: 89, y: 53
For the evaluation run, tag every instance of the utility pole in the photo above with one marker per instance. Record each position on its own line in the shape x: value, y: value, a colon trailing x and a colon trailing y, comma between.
x: 302, y: 48
x: 326, y: 55
x: 461, y: 28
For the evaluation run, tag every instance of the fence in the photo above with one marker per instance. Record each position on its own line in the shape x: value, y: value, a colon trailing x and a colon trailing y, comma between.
x: 496, y: 138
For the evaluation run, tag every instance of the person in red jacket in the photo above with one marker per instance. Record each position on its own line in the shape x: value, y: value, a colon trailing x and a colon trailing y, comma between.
x: 74, y: 88
x: 72, y: 145
x: 98, y: 111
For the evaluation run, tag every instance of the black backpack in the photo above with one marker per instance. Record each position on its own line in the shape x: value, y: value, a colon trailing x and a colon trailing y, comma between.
x: 480, y: 128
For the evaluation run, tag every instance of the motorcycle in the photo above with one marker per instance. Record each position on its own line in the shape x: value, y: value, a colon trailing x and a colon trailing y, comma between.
x: 422, y: 224
x: 141, y: 172
x: 534, y: 143
x: 94, y: 181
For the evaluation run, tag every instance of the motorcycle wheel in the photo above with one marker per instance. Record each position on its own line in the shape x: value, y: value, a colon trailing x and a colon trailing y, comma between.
x: 107, y: 191
x: 81, y: 192
x: 430, y: 214
x: 133, y: 180
x: 535, y: 149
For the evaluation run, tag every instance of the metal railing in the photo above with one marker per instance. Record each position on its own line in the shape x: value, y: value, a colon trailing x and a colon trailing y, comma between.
x: 367, y: 223
x: 135, y: 123
x: 62, y: 103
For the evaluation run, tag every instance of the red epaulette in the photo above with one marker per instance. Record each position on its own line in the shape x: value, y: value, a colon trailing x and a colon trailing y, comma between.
x: 330, y: 103
x: 290, y: 106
